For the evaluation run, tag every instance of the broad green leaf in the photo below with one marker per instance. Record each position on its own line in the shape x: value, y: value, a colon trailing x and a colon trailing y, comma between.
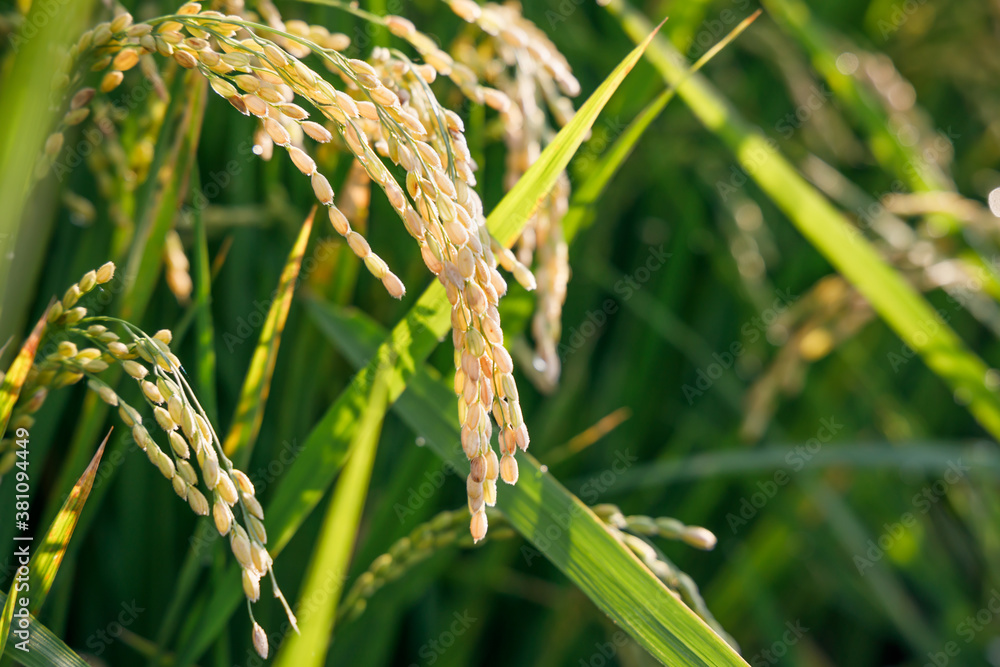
x: 47, y: 555
x: 47, y: 650
x: 561, y: 527
x: 409, y: 344
x: 17, y: 374
x: 257, y: 383
x: 896, y: 301
x: 332, y: 554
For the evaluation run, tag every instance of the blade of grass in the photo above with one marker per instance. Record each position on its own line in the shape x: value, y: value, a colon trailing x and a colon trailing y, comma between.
x: 49, y: 554
x: 586, y: 194
x: 509, y: 217
x: 204, y: 328
x: 47, y: 650
x: 410, y: 343
x: 328, y: 566
x: 892, y: 297
x: 26, y: 116
x: 14, y: 378
x: 562, y: 528
x: 894, y: 156
x: 44, y: 564
x: 257, y: 383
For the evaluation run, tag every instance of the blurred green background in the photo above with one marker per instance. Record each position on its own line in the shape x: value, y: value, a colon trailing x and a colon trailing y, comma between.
x: 735, y: 380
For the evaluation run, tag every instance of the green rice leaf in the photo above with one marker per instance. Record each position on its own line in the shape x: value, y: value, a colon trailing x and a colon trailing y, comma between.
x: 48, y: 554
x: 559, y: 525
x: 257, y: 383
x: 332, y: 555
x: 47, y: 650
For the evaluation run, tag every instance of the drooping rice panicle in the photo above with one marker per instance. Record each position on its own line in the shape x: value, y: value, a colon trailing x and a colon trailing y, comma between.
x: 443, y: 532
x: 536, y: 77
x: 169, y: 424
x: 385, y: 110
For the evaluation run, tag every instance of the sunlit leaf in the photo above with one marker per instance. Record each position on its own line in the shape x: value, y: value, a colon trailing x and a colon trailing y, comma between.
x: 14, y: 378
x: 257, y: 383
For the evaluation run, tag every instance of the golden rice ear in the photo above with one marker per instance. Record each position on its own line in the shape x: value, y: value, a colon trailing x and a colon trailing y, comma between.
x: 177, y: 417
x: 381, y: 111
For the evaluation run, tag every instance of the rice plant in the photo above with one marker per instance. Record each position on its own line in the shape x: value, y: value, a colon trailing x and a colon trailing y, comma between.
x: 730, y: 271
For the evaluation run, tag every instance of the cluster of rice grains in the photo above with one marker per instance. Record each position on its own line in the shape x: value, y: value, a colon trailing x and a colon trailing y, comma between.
x: 528, y: 72
x: 520, y: 60
x: 192, y: 458
x: 382, y: 108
